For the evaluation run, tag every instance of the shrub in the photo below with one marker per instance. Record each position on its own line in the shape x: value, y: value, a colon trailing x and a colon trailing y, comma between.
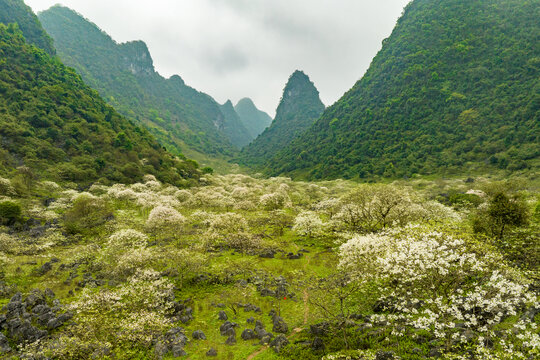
x: 86, y: 212
x: 9, y: 212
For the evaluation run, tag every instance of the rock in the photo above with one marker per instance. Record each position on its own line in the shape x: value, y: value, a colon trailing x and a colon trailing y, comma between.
x: 45, y: 268
x: 279, y: 342
x: 265, y: 340
x: 231, y: 340
x: 320, y: 329
x: 49, y: 293
x: 227, y: 328
x: 435, y: 352
x: 267, y: 292
x: 267, y: 254
x: 4, y: 344
x: 211, y: 352
x: 272, y: 313
x: 292, y: 256
x: 248, y: 334
x: 280, y: 326
x: 222, y: 316
x: 178, y: 350
x: 317, y: 344
x: 250, y: 320
x: 199, y: 335
x: 384, y: 355
x: 530, y: 313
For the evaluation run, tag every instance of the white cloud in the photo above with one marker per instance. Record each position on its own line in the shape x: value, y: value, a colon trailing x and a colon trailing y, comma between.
x: 236, y: 48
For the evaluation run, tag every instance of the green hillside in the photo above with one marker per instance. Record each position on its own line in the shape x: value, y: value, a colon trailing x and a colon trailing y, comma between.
x: 53, y: 124
x: 233, y: 127
x: 455, y: 88
x: 298, y: 109
x: 28, y: 23
x: 179, y: 116
x: 254, y: 120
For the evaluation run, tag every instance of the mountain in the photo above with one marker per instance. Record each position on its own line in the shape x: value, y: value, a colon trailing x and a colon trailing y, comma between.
x: 454, y: 89
x: 58, y: 127
x: 233, y: 127
x: 298, y: 109
x: 180, y: 117
x: 254, y: 120
x: 27, y: 22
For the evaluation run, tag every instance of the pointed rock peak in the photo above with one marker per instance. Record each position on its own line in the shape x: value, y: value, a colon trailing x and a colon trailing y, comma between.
x: 245, y: 102
x: 228, y: 103
x: 137, y: 57
x: 299, y: 84
x: 176, y: 79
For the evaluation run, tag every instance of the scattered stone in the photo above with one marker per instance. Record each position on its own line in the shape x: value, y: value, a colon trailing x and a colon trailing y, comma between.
x: 45, y: 268
x: 279, y: 342
x: 211, y: 352
x: 267, y: 254
x: 231, y: 340
x: 250, y: 320
x: 227, y: 328
x: 265, y: 340
x: 222, y: 316
x: 199, y: 335
x: 320, y: 329
x: 248, y: 334
x: 384, y: 355
x: 279, y: 325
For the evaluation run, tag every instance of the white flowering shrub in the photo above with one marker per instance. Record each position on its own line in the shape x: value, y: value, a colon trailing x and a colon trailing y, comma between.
x: 433, y: 281
x: 228, y: 223
x: 308, y: 223
x: 274, y: 201
x: 127, y: 239
x: 6, y: 188
x: 165, y: 220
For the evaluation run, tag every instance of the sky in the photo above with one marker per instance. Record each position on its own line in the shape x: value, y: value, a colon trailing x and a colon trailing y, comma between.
x: 231, y: 49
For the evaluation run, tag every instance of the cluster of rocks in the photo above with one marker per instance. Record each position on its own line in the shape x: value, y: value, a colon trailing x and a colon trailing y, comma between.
x: 228, y: 329
x: 173, y: 342
x: 277, y: 287
x: 30, y: 319
x: 182, y: 312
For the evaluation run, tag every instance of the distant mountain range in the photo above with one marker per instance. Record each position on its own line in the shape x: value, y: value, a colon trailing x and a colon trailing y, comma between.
x: 298, y: 109
x: 455, y: 88
x: 56, y: 126
x: 179, y: 116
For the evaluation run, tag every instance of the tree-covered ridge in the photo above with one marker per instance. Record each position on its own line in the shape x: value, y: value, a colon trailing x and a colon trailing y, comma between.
x: 253, y: 119
x: 16, y: 11
x: 233, y: 127
x: 52, y: 123
x: 455, y: 88
x: 178, y: 115
x: 299, y: 108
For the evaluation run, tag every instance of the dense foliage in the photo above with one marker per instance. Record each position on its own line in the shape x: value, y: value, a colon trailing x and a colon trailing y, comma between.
x: 268, y: 269
x: 233, y: 127
x: 298, y: 109
x: 254, y: 120
x: 454, y: 88
x: 15, y: 11
x: 176, y: 114
x: 53, y: 125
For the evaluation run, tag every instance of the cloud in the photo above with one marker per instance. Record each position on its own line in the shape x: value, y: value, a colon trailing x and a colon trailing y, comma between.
x: 232, y: 49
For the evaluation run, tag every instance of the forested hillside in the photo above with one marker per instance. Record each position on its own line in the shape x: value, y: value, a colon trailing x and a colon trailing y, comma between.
x: 179, y: 116
x: 298, y: 109
x: 454, y: 89
x: 233, y: 127
x: 254, y: 120
x: 28, y: 23
x: 52, y: 125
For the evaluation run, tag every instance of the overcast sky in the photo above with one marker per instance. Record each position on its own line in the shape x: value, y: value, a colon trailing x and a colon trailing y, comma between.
x: 232, y: 49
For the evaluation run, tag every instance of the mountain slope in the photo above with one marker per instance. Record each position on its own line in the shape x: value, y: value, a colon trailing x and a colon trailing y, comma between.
x: 233, y: 127
x: 300, y: 106
x: 53, y: 123
x: 178, y: 115
x: 11, y: 10
x: 455, y: 88
x: 254, y: 120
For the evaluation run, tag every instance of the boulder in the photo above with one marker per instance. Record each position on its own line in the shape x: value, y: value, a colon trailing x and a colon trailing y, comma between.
x: 280, y: 326
x: 212, y: 352
x: 222, y: 316
x: 248, y: 334
x: 279, y: 342
x: 198, y: 335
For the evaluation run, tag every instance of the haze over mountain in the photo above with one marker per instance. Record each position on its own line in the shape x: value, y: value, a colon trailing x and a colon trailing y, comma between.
x: 233, y: 127
x: 454, y: 89
x: 300, y: 106
x: 180, y: 117
x: 254, y: 120
x: 58, y: 127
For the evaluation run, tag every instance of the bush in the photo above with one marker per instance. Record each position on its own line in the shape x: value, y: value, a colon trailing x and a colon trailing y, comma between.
x: 86, y: 213
x: 9, y: 212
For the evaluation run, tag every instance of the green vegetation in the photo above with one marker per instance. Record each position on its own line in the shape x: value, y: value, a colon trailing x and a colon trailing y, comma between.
x: 254, y: 120
x: 233, y: 127
x: 298, y: 109
x: 178, y: 116
x: 16, y: 11
x: 374, y: 271
x: 454, y: 89
x: 59, y: 128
